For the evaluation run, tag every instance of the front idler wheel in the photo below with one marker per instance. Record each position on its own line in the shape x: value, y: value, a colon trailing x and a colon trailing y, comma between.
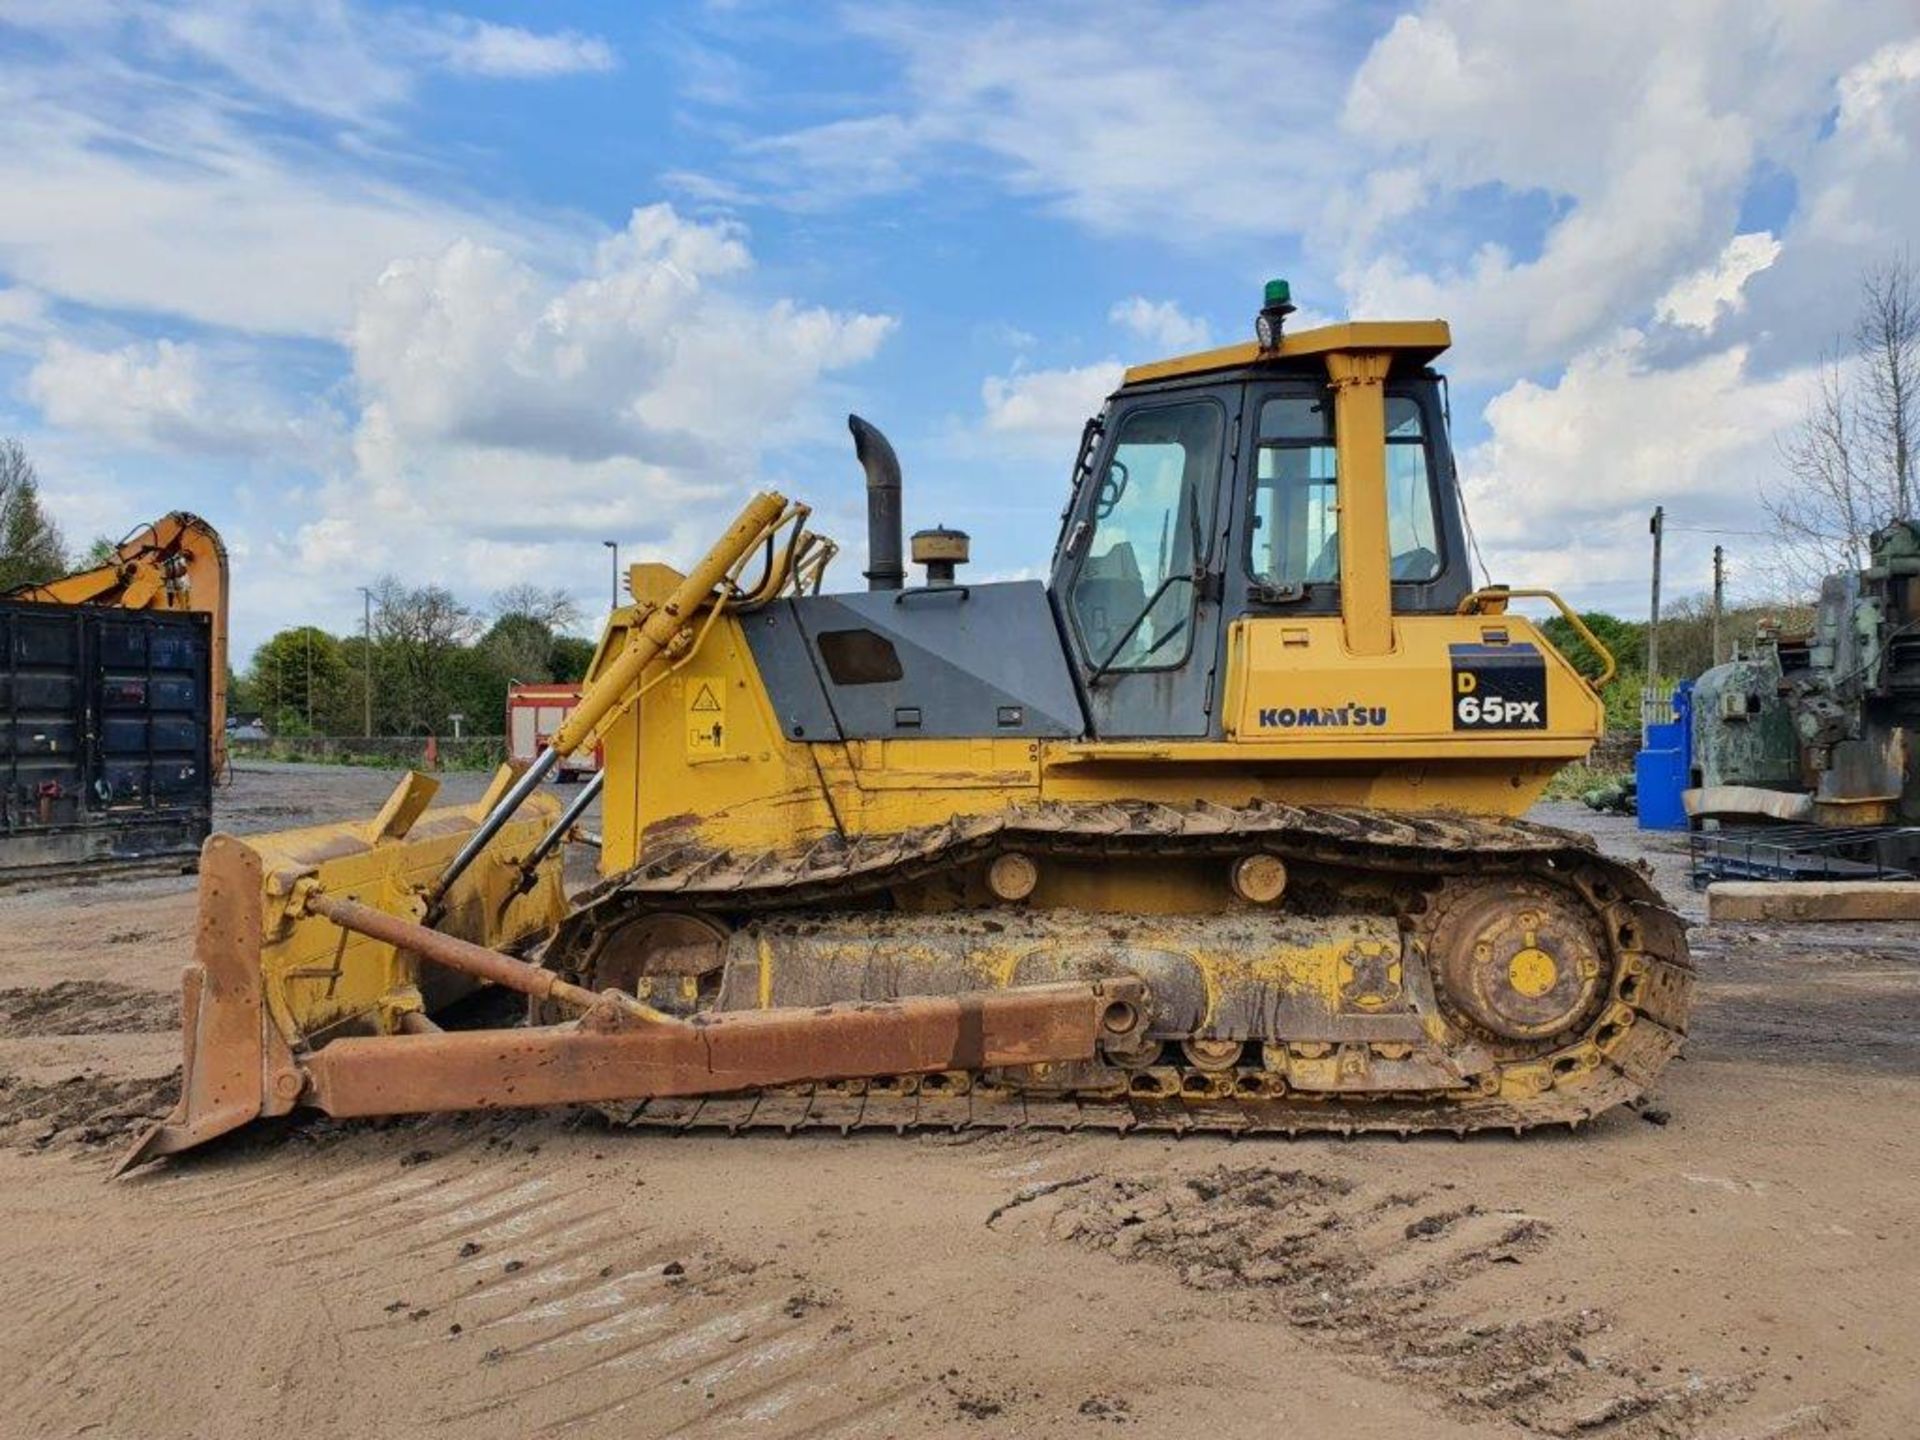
x: 1524, y: 962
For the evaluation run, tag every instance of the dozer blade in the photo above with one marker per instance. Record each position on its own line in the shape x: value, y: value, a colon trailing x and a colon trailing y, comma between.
x: 313, y: 977
x: 268, y: 982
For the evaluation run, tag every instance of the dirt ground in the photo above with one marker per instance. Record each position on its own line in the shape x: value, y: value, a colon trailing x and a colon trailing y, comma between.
x: 1735, y: 1262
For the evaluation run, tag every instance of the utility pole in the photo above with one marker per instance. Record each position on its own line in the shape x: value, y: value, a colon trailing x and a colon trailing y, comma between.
x: 1719, y: 595
x: 366, y: 663
x: 614, y: 546
x: 308, y: 637
x: 1658, y: 527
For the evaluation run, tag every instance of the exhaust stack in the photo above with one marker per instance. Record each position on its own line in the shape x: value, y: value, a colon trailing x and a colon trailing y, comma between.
x: 884, y: 568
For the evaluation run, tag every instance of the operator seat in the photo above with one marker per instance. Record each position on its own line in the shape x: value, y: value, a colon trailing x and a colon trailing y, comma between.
x: 1107, y: 597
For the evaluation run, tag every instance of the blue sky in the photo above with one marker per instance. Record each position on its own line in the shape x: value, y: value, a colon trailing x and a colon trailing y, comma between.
x: 457, y: 293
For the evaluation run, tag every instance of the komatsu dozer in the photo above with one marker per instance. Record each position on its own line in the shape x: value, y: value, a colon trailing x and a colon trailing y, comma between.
x: 1216, y: 829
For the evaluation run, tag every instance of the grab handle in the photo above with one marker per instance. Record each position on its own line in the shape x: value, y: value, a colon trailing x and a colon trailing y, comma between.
x: 1493, y: 601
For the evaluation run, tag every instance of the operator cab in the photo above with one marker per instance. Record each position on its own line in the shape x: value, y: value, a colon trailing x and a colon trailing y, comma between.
x: 1253, y: 481
x: 1208, y: 489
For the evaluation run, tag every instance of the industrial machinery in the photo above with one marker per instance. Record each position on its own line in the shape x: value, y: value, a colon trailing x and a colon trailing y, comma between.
x: 112, y: 704
x: 1822, y: 720
x: 1214, y: 829
x: 1804, y: 744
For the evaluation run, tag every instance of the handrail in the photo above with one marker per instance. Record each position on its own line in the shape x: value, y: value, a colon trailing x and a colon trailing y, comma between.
x: 1501, y: 593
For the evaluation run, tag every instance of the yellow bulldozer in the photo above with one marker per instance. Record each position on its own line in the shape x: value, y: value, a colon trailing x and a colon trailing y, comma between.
x: 1216, y: 829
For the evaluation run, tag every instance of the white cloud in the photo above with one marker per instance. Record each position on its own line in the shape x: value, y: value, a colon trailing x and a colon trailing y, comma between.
x: 1560, y: 492
x: 155, y: 158
x: 85, y: 499
x: 1161, y: 323
x: 335, y: 58
x: 21, y: 309
x: 164, y: 395
x: 830, y: 164
x: 1696, y: 301
x: 519, y: 385
x: 1540, y: 175
x: 1857, y: 192
x: 646, y: 355
x: 1632, y: 130
x: 1870, y: 89
x: 479, y: 47
x: 501, y: 404
x: 1537, y: 174
x: 1099, y: 111
x: 1040, y: 412
x: 287, y: 251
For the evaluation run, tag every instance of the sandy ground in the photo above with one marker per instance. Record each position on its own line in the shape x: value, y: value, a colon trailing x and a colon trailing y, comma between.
x: 1737, y: 1262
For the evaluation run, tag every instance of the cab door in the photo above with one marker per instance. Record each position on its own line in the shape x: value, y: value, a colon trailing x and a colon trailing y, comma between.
x: 1138, y: 578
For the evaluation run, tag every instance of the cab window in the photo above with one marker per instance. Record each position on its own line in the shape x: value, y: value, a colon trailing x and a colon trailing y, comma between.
x: 1150, y: 514
x: 1295, y: 537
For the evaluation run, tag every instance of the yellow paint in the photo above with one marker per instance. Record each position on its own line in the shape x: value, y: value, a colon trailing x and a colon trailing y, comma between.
x: 319, y: 978
x: 1418, y: 341
x: 1531, y: 972
x: 775, y: 792
x: 1303, y: 664
x: 702, y: 701
x: 404, y: 807
x: 616, y: 677
x: 697, y: 754
x: 1360, y: 420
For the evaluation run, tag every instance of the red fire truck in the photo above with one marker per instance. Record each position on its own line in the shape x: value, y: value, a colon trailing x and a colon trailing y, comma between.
x: 534, y: 713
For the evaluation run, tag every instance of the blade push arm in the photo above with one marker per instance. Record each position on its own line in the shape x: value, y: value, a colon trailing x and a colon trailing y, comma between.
x: 250, y: 1051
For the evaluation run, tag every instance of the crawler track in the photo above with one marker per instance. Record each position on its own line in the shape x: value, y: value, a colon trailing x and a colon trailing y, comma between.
x: 1635, y: 1023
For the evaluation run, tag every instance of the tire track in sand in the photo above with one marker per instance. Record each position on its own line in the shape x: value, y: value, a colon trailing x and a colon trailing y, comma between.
x: 502, y: 1294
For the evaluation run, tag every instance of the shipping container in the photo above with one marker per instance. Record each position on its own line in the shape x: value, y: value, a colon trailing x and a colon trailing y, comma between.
x: 105, y: 751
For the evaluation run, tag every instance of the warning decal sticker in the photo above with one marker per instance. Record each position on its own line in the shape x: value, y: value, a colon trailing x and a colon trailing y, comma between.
x: 706, y: 717
x: 1499, y: 687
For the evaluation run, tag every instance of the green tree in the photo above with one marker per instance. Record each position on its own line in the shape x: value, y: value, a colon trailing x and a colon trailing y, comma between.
x: 477, y: 689
x: 1686, y: 630
x: 570, y: 657
x: 523, y: 646
x: 1627, y: 639
x: 420, y: 635
x: 31, y: 549
x: 520, y: 648
x: 298, y: 680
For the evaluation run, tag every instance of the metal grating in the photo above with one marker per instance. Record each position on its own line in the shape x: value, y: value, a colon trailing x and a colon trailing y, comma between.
x: 1805, y: 852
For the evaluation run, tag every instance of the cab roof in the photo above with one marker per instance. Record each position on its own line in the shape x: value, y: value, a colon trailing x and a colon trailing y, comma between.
x: 1412, y: 342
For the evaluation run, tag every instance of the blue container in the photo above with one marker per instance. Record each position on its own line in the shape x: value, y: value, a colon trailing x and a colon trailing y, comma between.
x: 1664, y: 767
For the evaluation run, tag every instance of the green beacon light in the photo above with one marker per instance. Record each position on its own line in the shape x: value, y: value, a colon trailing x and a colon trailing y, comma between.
x: 1275, y: 307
